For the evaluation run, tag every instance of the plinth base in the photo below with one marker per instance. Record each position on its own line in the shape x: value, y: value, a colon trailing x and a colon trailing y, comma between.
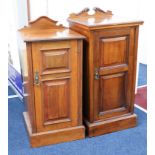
x: 110, y: 125
x: 55, y: 136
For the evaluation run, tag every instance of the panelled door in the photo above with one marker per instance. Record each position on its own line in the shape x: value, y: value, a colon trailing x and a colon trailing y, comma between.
x: 55, y: 84
x: 113, y: 72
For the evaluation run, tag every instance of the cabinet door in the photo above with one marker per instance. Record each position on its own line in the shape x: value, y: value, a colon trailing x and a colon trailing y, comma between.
x: 114, y: 72
x: 55, y: 67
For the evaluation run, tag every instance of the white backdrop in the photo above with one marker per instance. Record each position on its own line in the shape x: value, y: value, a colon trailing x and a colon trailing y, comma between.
x: 17, y: 19
x: 60, y: 9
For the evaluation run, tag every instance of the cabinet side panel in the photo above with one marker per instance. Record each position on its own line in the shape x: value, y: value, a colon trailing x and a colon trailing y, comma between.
x: 87, y: 106
x: 80, y: 81
x: 86, y: 101
x: 135, y: 47
x: 28, y: 87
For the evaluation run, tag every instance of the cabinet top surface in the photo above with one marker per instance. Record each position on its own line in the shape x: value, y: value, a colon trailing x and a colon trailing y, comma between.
x: 100, y: 18
x: 46, y: 29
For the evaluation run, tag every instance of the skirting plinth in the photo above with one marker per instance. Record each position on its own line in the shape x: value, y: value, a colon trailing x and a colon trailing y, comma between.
x: 53, y: 137
x: 111, y: 125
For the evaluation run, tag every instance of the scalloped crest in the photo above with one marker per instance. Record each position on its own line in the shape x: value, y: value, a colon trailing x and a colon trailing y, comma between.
x: 84, y: 12
x: 44, y: 22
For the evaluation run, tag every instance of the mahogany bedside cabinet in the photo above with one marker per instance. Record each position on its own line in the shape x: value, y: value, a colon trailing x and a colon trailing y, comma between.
x: 54, y: 83
x: 109, y: 70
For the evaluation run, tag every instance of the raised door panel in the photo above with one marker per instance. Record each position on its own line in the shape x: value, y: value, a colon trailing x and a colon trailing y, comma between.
x: 56, y: 101
x: 55, y: 60
x: 112, y: 89
x: 56, y: 95
x: 113, y: 51
x: 113, y: 62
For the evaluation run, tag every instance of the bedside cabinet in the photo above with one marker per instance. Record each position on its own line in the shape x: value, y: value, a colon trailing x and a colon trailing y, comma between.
x: 109, y: 70
x: 53, y: 83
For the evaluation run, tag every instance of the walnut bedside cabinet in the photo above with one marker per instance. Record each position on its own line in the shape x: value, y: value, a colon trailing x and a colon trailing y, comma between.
x: 110, y: 53
x: 54, y: 83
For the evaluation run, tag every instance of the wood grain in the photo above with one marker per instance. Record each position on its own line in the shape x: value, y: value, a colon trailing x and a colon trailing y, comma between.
x: 28, y: 88
x: 111, y: 125
x: 100, y: 19
x: 110, y: 52
x: 54, y: 83
x: 53, y: 137
x: 55, y: 96
x: 46, y: 29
